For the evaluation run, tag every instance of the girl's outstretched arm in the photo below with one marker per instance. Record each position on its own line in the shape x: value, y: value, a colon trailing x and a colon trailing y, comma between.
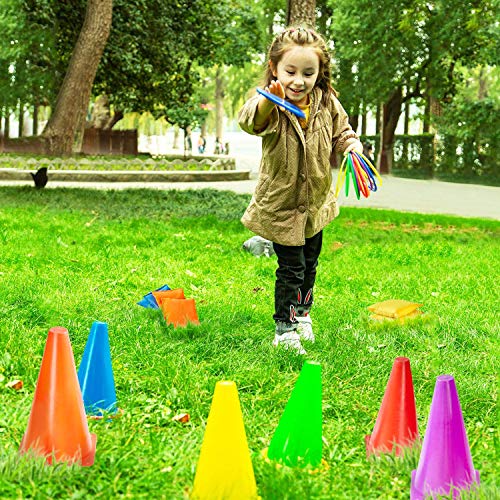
x: 265, y: 106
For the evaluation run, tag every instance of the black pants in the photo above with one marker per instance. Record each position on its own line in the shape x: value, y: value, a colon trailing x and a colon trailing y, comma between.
x: 295, y: 278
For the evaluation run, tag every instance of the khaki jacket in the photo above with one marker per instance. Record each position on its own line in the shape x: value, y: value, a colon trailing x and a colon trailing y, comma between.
x: 294, y: 197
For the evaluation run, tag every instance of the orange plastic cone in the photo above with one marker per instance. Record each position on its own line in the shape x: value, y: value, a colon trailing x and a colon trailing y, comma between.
x: 57, y: 427
x: 396, y: 425
x: 176, y: 293
x: 179, y: 312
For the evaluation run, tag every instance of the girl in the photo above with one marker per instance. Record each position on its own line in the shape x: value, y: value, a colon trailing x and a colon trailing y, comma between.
x: 293, y: 199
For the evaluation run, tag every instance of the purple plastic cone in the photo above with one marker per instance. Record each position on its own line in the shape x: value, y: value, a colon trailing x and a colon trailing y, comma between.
x: 445, y: 463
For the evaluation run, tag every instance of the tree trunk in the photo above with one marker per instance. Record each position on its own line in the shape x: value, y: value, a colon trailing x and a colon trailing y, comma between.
x: 407, y: 118
x: 377, y: 120
x: 73, y: 98
x: 390, y: 117
x: 219, y: 103
x: 301, y: 13
x: 363, y: 122
x: 114, y: 119
x: 21, y: 119
x: 427, y: 115
x: 405, y: 132
x: 354, y: 122
x: 35, y: 118
x: 483, y: 85
x: 175, y: 144
x: 6, y: 126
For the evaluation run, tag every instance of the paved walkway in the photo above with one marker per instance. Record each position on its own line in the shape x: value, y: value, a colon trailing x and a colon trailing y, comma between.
x: 410, y: 195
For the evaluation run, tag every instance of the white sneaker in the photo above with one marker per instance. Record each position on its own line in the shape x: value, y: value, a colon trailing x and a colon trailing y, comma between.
x: 305, y: 328
x: 289, y: 340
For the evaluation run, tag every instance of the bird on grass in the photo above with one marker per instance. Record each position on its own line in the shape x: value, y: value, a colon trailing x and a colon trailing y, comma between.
x: 40, y: 177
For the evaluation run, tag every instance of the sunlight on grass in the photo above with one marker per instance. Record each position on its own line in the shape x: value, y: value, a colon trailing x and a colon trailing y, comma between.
x: 69, y: 257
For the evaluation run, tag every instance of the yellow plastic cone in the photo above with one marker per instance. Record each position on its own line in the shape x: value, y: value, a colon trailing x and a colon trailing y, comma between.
x: 224, y: 468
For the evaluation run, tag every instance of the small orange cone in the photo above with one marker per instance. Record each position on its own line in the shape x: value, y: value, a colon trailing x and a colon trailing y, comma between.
x: 396, y: 425
x: 177, y: 293
x: 179, y: 312
x: 57, y: 426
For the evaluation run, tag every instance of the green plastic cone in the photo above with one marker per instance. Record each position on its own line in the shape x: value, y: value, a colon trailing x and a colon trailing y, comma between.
x: 297, y: 440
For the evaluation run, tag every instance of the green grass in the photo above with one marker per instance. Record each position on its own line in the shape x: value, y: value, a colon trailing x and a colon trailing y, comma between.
x: 69, y: 257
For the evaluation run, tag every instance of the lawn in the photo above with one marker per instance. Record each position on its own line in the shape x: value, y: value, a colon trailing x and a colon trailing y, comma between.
x: 69, y: 257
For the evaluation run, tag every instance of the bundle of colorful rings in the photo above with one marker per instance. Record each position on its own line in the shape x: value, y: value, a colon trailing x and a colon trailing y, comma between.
x: 363, y: 174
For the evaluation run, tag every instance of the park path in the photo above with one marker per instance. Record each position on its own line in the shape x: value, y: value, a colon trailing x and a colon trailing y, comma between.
x: 410, y: 195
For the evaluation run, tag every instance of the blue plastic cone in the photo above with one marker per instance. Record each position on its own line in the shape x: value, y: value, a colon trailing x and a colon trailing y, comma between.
x: 95, y: 373
x: 148, y: 301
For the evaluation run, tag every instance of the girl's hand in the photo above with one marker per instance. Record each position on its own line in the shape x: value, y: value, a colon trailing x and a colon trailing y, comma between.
x: 265, y: 106
x: 276, y: 88
x: 357, y: 147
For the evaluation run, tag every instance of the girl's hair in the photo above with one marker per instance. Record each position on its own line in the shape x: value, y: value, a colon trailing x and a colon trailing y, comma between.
x: 304, y: 37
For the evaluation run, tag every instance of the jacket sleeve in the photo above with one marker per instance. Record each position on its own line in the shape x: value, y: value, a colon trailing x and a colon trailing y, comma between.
x: 246, y: 118
x: 343, y: 134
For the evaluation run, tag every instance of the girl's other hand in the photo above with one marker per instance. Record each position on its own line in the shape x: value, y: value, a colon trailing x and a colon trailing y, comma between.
x: 357, y: 147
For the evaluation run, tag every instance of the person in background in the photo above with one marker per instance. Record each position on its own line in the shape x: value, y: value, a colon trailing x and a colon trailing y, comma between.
x: 368, y: 152
x: 218, y: 149
x: 294, y: 198
x: 188, y: 142
x: 201, y: 144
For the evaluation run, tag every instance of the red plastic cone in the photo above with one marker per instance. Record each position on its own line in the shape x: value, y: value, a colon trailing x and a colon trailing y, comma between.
x: 57, y: 427
x: 396, y: 424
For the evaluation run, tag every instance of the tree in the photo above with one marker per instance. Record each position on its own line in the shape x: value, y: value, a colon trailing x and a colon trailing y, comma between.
x: 301, y: 13
x: 240, y: 40
x: 155, y: 49
x: 400, y: 54
x: 26, y: 47
x: 68, y: 118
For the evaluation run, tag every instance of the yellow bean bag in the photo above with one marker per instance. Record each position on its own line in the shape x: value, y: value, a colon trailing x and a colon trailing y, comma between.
x: 394, y: 308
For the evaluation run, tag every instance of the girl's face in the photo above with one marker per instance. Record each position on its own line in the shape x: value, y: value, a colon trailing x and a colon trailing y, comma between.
x: 297, y: 71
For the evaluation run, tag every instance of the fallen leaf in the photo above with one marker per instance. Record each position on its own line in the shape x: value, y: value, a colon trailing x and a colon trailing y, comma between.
x: 15, y: 384
x: 181, y: 417
x: 257, y: 289
x: 336, y: 245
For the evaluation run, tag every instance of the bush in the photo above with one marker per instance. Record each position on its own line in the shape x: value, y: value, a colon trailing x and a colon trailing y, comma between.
x: 469, y: 140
